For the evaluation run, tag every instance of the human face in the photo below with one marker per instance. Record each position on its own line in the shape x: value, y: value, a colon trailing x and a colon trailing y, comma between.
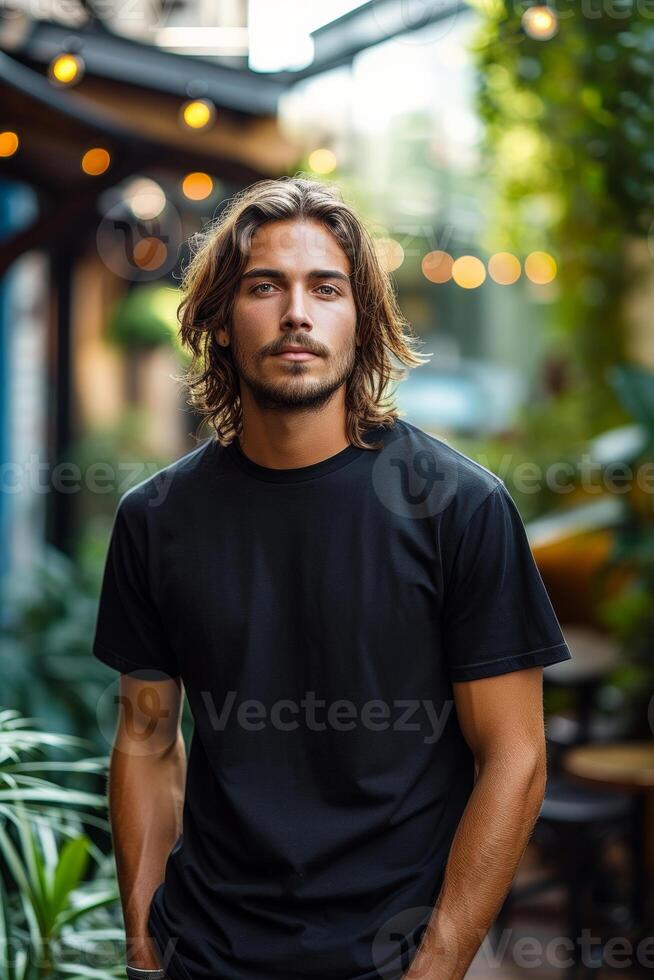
x: 294, y: 292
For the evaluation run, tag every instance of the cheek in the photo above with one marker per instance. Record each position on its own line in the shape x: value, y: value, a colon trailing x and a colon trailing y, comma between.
x: 252, y: 323
x: 343, y: 326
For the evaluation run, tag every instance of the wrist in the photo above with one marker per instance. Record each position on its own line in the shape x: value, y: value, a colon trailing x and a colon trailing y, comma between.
x: 137, y: 973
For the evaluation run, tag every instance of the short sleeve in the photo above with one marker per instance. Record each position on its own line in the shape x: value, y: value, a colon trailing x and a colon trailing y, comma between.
x: 129, y: 634
x: 497, y: 615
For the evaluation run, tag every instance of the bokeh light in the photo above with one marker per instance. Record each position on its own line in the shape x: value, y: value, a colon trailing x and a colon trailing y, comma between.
x: 540, y: 268
x: 504, y: 268
x: 322, y: 161
x: 198, y: 113
x: 540, y: 22
x: 149, y: 253
x: 95, y: 161
x: 390, y: 253
x: 8, y: 143
x: 197, y: 185
x: 66, y: 69
x: 468, y: 271
x: 145, y: 198
x: 437, y: 266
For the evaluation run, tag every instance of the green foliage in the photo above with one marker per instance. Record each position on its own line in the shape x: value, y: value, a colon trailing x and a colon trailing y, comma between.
x: 630, y: 614
x: 45, y: 658
x: 568, y: 133
x: 58, y: 896
x: 145, y: 317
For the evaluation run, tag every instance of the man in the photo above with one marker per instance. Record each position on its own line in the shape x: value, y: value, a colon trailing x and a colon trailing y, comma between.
x: 355, y: 615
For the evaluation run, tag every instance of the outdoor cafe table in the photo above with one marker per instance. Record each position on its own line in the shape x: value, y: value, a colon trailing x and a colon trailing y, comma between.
x: 623, y: 766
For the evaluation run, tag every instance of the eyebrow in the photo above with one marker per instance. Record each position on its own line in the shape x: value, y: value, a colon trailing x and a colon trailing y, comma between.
x: 314, y: 274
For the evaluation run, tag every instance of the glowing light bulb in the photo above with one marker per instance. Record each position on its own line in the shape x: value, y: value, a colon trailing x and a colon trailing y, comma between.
x: 504, y: 268
x: 8, y: 143
x: 390, y: 253
x: 198, y: 113
x: 468, y: 271
x: 66, y: 69
x: 323, y: 161
x: 540, y: 268
x: 197, y: 186
x: 437, y: 266
x: 95, y: 161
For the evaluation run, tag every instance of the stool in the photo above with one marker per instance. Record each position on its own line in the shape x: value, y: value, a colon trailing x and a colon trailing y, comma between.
x: 573, y: 825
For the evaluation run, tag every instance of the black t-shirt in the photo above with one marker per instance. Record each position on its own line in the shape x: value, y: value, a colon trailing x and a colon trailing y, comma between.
x: 317, y: 617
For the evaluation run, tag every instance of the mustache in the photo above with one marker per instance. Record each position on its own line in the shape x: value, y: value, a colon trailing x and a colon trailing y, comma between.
x: 300, y: 343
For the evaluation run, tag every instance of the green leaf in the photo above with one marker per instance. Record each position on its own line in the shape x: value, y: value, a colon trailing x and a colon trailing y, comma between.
x: 634, y: 386
x: 73, y: 862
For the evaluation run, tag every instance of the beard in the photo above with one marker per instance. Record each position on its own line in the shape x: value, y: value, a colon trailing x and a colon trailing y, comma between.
x: 299, y: 391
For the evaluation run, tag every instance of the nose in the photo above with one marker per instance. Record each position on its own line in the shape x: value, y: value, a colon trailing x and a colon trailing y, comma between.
x: 296, y: 314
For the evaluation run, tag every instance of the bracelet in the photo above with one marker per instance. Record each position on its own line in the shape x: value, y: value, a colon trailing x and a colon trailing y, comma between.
x: 135, y: 973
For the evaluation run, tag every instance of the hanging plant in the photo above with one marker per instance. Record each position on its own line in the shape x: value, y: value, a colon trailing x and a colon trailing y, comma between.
x: 144, y: 318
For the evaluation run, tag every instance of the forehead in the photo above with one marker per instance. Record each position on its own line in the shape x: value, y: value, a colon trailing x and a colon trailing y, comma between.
x: 296, y: 244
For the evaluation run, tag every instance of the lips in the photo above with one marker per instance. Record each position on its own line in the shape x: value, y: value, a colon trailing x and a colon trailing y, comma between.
x: 294, y: 350
x: 295, y: 354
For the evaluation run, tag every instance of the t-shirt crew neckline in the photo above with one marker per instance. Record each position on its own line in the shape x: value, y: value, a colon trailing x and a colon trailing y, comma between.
x: 298, y: 474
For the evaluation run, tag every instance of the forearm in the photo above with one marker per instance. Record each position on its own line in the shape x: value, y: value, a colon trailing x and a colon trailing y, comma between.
x: 488, y: 845
x: 146, y: 798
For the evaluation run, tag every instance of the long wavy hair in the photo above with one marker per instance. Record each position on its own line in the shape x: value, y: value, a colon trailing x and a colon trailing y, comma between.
x: 219, y: 254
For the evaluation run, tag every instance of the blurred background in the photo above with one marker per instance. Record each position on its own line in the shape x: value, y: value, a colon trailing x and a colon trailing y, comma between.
x: 502, y: 155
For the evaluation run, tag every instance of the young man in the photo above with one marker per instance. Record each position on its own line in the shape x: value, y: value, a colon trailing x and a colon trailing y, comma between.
x: 355, y: 615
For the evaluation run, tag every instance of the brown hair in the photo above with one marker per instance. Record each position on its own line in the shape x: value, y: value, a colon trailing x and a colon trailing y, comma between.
x: 219, y: 255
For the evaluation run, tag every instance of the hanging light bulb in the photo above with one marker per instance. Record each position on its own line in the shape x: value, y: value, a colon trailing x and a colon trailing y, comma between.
x: 66, y: 69
x: 198, y: 113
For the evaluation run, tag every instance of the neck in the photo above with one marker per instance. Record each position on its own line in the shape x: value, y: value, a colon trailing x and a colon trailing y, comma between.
x: 290, y: 439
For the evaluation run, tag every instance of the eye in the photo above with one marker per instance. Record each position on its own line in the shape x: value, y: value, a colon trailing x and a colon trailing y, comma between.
x: 260, y: 285
x: 334, y: 292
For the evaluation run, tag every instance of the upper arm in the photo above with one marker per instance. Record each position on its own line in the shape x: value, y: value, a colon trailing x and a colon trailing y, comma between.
x: 502, y: 716
x: 148, y: 714
x: 130, y: 634
x: 497, y: 615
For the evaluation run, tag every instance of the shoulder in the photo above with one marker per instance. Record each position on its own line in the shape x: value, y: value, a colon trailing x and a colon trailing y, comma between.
x: 461, y: 484
x: 171, y: 486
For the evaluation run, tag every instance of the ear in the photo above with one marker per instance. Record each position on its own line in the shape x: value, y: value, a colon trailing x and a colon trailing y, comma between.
x: 222, y: 336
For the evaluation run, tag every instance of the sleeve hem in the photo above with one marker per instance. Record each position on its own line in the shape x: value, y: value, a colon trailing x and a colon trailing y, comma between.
x: 115, y: 660
x: 504, y: 665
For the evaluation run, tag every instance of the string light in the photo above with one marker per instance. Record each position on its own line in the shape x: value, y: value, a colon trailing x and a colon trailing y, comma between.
x: 8, y: 143
x: 198, y: 113
x: 437, y: 266
x: 468, y: 272
x: 66, y: 69
x: 390, y: 253
x: 95, y: 161
x: 540, y: 268
x: 322, y: 161
x: 504, y: 268
x: 197, y: 186
x: 145, y: 198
